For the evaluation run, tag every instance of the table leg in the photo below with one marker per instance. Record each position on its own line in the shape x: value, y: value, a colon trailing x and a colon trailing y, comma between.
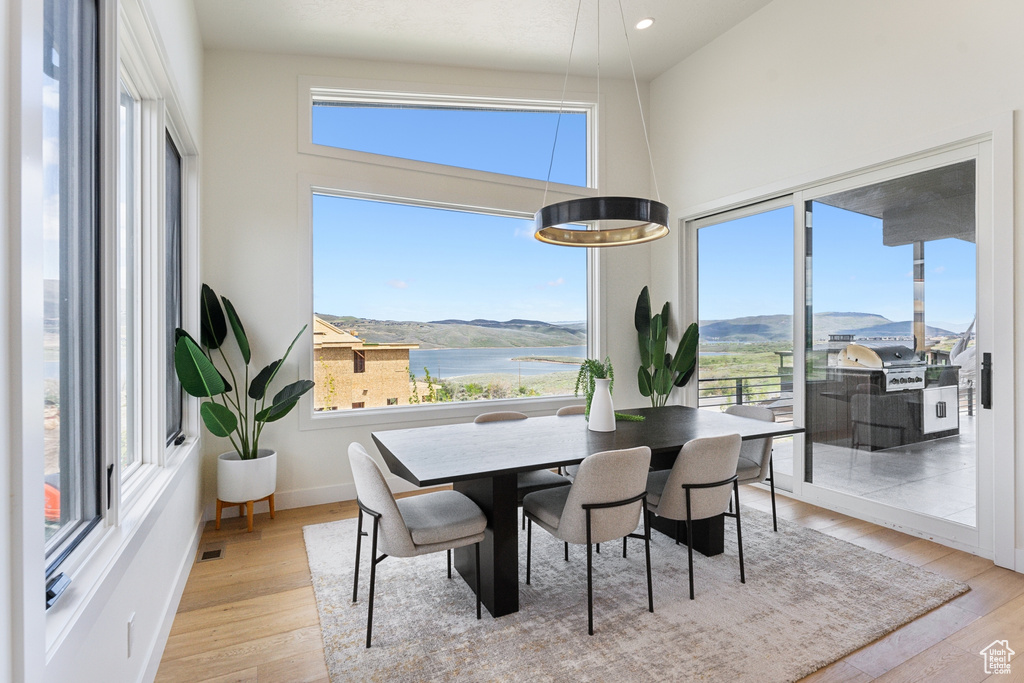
x: 499, y: 551
x: 708, y: 534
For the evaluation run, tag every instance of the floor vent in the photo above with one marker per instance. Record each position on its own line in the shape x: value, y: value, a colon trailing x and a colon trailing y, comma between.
x: 214, y: 554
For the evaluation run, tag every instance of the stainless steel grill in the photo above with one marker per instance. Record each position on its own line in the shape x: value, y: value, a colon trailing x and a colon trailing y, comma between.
x: 900, y: 366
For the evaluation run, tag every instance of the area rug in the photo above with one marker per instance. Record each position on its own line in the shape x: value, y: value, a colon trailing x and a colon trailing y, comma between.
x: 809, y: 600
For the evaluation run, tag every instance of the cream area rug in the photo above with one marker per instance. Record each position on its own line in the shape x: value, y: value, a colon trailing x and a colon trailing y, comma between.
x: 809, y: 600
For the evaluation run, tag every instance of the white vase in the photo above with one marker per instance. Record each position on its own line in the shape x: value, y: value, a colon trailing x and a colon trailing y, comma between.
x: 602, y: 412
x: 239, y: 481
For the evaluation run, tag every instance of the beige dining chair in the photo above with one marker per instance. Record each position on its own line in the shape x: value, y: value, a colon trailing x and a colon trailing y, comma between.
x: 755, y: 463
x: 526, y: 482
x: 571, y: 470
x: 410, y: 527
x: 698, y: 487
x: 605, y: 502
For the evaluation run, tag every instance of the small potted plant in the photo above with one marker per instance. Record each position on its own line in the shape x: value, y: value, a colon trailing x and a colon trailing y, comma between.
x: 596, y: 379
x: 237, y: 409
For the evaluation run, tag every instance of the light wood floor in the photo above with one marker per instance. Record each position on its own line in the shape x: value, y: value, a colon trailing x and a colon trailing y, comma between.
x: 251, y: 616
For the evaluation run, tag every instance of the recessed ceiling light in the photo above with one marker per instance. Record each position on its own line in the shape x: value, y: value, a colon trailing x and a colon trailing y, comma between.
x: 645, y: 23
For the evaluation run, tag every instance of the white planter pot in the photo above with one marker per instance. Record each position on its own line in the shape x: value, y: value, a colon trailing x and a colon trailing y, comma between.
x: 602, y: 412
x: 239, y: 481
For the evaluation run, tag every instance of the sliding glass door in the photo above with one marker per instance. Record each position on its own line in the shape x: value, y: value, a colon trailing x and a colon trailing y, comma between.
x: 745, y: 290
x: 892, y: 370
x: 866, y: 310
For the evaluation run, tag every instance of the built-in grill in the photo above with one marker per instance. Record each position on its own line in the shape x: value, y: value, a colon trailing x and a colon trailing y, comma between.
x: 899, y: 365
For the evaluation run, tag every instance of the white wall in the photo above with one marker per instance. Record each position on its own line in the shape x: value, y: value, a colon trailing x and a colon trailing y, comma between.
x: 255, y: 240
x: 138, y: 567
x: 805, y: 85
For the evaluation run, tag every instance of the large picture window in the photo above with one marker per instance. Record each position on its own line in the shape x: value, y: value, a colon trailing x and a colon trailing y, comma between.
x: 71, y: 264
x: 435, y: 305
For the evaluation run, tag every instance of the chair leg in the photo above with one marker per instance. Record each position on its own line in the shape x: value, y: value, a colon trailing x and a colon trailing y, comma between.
x: 771, y: 480
x: 359, y: 542
x: 373, y: 581
x: 477, y: 544
x: 689, y: 541
x: 679, y: 531
x: 524, y: 519
x: 647, y: 552
x: 590, y: 582
x: 623, y: 547
x: 529, y: 542
x: 566, y: 551
x: 449, y: 563
x: 598, y: 548
x: 739, y: 533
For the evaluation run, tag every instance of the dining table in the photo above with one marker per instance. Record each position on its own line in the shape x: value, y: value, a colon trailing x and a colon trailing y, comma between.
x: 483, y: 460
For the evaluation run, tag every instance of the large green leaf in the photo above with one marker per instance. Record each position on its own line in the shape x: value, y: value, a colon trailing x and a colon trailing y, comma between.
x: 662, y: 381
x: 682, y: 379
x: 219, y: 419
x: 642, y: 315
x: 293, y: 391
x: 658, y: 347
x: 276, y: 411
x: 686, y: 352
x: 645, y: 350
x: 258, y: 386
x: 664, y: 314
x: 197, y: 374
x: 643, y: 380
x: 213, y: 328
x: 236, y: 327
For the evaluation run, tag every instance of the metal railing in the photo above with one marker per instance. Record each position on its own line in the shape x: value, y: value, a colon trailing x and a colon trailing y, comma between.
x: 760, y: 389
x: 757, y: 389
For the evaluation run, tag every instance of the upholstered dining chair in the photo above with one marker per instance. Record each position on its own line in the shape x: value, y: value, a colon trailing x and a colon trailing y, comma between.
x: 755, y: 464
x: 526, y: 482
x: 698, y: 487
x: 570, y: 470
x: 605, y: 502
x: 410, y: 527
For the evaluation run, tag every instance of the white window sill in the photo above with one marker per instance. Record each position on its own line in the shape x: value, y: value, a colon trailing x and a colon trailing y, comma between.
x: 104, y: 555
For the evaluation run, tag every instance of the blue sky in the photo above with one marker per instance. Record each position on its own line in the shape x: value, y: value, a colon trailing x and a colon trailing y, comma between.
x: 746, y: 269
x: 513, y: 142
x: 398, y: 262
x: 385, y: 261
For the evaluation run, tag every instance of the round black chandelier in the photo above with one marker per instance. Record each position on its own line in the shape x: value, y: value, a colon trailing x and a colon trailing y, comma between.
x: 565, y: 223
x: 553, y: 224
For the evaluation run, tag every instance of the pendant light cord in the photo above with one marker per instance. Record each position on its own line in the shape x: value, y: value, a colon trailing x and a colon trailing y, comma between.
x: 639, y: 104
x: 561, y: 104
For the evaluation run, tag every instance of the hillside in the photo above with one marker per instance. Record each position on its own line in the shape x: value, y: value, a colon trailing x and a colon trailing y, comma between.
x: 779, y: 327
x: 464, y: 334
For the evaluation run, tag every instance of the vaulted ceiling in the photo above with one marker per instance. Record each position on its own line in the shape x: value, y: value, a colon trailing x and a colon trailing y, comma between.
x: 519, y: 35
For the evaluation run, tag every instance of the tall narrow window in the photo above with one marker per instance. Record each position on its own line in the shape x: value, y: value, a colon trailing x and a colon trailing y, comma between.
x: 128, y: 231
x: 71, y: 259
x: 358, y: 361
x: 172, y: 280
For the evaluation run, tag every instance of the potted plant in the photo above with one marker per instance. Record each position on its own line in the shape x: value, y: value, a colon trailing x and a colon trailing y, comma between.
x: 660, y: 371
x: 237, y: 409
x: 596, y: 380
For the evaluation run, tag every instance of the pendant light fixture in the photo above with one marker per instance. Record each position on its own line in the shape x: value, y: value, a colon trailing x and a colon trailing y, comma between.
x: 559, y: 223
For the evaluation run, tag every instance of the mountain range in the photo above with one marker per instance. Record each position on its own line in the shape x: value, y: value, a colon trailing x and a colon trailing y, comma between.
x: 780, y: 327
x: 464, y: 334
x: 482, y: 333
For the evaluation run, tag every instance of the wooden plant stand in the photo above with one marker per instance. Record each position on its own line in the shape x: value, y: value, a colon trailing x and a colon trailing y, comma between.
x: 245, y: 508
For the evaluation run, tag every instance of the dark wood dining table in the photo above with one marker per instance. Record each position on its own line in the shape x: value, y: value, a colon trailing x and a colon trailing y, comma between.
x: 482, y: 461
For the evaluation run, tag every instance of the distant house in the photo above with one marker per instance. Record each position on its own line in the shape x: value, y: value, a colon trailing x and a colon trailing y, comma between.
x: 352, y: 373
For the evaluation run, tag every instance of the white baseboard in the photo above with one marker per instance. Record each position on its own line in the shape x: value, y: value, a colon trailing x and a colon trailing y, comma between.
x: 300, y: 498
x: 157, y: 652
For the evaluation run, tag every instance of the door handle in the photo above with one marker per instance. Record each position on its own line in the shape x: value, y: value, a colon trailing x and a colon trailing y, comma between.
x: 986, y: 380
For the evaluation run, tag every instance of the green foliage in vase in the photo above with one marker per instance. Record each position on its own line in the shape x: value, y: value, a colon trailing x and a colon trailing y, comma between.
x: 238, y: 411
x: 591, y: 370
x: 660, y: 371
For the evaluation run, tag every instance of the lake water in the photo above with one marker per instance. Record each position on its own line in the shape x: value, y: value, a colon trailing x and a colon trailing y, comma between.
x: 445, y: 363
